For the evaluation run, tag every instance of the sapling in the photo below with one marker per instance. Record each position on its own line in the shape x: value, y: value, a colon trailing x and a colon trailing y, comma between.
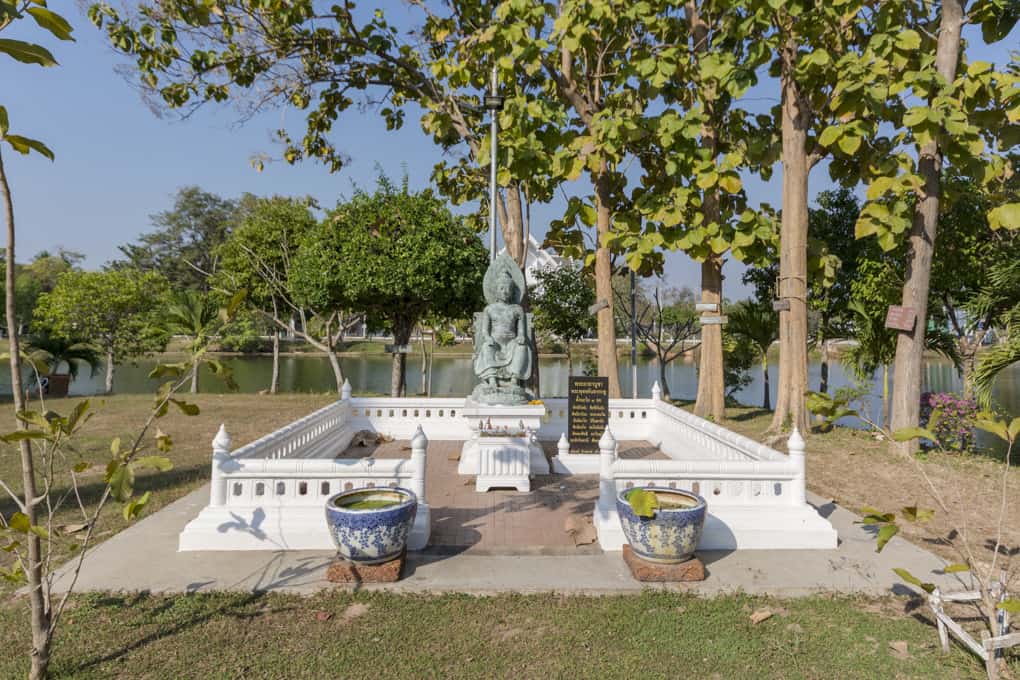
x: 989, y: 577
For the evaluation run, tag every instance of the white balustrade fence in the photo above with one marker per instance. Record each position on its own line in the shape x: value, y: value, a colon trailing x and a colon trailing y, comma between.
x: 261, y: 502
x: 270, y: 494
x: 752, y: 502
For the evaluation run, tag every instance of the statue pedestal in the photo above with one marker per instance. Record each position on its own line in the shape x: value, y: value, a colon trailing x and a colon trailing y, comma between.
x: 511, y: 419
x: 504, y: 462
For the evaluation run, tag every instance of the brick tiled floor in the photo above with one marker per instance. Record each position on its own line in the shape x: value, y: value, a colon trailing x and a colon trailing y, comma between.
x: 502, y: 521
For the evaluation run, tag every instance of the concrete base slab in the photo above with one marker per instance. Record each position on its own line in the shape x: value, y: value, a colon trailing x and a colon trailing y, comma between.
x: 144, y: 557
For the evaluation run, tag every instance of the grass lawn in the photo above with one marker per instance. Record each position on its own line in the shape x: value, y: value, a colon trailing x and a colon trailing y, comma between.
x: 377, y: 635
x: 857, y: 470
x: 247, y: 417
x: 459, y: 636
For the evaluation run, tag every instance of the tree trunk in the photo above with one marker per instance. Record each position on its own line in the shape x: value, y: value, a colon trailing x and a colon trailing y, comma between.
x: 885, y: 396
x: 39, y: 610
x: 424, y: 363
x: 195, y: 365
x: 274, y: 380
x: 608, y: 365
x: 663, y: 385
x: 796, y: 118
x: 968, y: 362
x: 338, y: 371
x: 570, y: 363
x: 398, y: 369
x: 766, y: 398
x: 906, y: 399
x: 110, y: 368
x: 711, y: 400
x: 823, y: 382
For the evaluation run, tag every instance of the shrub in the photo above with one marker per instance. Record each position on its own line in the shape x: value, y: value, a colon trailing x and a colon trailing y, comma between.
x: 954, y: 427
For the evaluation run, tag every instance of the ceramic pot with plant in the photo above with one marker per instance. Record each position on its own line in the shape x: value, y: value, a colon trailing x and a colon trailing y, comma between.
x: 371, y: 526
x: 662, y: 525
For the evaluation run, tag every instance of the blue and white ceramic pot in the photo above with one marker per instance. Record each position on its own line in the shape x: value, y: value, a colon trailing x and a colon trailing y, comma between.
x: 371, y: 526
x: 670, y: 536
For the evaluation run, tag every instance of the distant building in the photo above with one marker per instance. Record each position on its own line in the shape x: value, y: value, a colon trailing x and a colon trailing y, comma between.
x: 538, y: 259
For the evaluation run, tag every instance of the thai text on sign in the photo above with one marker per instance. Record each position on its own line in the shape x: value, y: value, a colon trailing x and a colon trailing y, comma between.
x: 587, y: 412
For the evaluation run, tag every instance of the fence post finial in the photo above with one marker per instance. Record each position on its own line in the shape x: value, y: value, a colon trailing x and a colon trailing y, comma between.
x: 220, y: 454
x: 345, y: 391
x: 563, y: 446
x: 656, y: 391
x: 221, y: 442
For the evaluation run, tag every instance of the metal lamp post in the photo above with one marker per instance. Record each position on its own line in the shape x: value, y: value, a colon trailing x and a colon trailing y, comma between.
x: 494, y: 104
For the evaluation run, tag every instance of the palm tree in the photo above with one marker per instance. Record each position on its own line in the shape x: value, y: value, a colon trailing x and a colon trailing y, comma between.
x: 876, y: 347
x: 47, y: 353
x: 758, y: 325
x: 1002, y: 292
x: 189, y: 313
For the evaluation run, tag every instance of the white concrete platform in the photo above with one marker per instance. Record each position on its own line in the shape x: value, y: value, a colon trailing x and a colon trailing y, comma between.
x: 144, y: 557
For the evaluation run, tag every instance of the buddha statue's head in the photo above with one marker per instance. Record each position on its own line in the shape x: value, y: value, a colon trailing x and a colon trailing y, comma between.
x: 505, y: 287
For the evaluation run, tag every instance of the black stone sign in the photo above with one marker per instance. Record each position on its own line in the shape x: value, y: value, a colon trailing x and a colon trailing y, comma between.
x: 588, y: 412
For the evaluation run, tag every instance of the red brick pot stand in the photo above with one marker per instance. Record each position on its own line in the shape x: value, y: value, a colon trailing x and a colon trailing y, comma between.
x: 343, y: 571
x: 689, y: 570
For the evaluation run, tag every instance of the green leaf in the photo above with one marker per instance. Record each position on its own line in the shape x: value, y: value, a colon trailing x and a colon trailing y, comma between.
x: 5, y: 123
x: 914, y: 581
x: 19, y: 522
x: 1011, y: 605
x: 731, y: 184
x: 830, y: 135
x: 1007, y: 215
x: 24, y: 145
x: 1014, y: 429
x: 168, y: 370
x: 135, y: 506
x: 161, y: 463
x: 41, y: 420
x: 186, y: 408
x: 23, y: 435
x: 996, y: 427
x: 81, y: 466
x: 643, y: 503
x: 27, y: 53
x: 121, y: 479
x: 909, y: 433
x: 115, y: 446
x: 955, y: 568
x: 52, y: 22
x: 884, y: 535
x: 912, y: 513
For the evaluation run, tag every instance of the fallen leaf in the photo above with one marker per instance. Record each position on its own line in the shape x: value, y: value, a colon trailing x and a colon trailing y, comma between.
x: 898, y: 648
x: 760, y: 615
x: 580, y: 529
x: 73, y: 528
x: 354, y: 611
x: 323, y: 616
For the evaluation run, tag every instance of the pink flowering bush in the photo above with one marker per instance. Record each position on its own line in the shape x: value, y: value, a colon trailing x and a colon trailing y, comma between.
x: 955, y: 426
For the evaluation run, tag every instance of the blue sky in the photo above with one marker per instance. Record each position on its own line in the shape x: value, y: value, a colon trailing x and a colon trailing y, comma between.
x: 117, y: 163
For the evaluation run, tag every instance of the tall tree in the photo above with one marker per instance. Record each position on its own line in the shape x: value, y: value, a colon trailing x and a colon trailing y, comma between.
x: 758, y: 325
x: 561, y: 299
x: 115, y: 310
x: 691, y: 192
x: 945, y: 110
x: 182, y: 248
x: 190, y: 314
x: 259, y: 258
x: 665, y: 321
x: 41, y: 612
x: 395, y: 256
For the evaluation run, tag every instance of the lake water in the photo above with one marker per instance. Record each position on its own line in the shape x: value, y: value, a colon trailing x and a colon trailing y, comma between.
x: 453, y: 376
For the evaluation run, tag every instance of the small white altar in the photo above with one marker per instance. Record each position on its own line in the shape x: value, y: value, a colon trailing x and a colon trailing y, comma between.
x: 504, y: 461
x: 524, y: 420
